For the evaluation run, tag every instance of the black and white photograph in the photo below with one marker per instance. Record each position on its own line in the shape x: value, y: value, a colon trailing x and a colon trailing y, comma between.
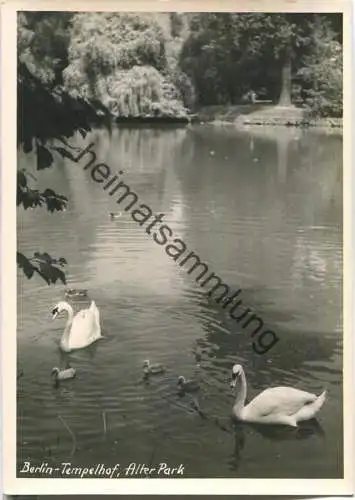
x: 179, y: 226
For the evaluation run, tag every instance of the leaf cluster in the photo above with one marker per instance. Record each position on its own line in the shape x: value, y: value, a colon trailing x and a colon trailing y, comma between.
x: 30, y: 197
x: 47, y: 267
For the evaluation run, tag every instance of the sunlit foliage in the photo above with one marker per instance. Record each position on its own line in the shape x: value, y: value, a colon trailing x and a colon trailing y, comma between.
x: 121, y: 59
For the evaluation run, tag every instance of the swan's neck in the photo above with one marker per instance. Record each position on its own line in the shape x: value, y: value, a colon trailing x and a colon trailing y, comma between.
x: 66, y: 333
x: 241, y: 397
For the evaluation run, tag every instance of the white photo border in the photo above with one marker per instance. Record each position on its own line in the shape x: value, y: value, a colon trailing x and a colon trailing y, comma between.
x: 13, y: 485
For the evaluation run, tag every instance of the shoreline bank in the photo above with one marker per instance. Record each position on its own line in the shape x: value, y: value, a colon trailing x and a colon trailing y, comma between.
x: 263, y: 114
x: 258, y: 114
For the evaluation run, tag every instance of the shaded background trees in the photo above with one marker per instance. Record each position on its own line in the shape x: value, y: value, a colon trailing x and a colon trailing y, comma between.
x: 228, y: 54
x: 43, y: 40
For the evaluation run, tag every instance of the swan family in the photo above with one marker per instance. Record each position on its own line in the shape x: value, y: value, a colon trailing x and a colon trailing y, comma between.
x: 275, y: 405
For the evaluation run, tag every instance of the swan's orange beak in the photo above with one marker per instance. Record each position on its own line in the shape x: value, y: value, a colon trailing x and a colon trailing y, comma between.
x: 54, y: 313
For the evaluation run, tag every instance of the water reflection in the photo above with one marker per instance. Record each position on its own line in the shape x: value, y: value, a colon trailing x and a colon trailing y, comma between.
x: 67, y: 359
x: 263, y: 208
x: 242, y: 430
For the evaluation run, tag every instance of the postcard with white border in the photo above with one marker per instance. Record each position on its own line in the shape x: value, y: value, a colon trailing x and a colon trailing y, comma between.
x: 176, y: 226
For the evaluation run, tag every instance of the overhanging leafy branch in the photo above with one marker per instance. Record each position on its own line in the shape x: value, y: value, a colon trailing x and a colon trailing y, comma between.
x: 44, y: 265
x: 45, y: 114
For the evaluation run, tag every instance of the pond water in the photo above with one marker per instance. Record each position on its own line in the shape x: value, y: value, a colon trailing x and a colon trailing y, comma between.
x: 264, y: 208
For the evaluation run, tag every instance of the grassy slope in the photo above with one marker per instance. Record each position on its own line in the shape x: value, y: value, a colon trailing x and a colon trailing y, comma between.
x: 262, y: 114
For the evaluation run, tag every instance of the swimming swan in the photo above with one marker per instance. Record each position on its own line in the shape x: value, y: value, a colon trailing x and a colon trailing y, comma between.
x: 276, y: 405
x: 82, y: 329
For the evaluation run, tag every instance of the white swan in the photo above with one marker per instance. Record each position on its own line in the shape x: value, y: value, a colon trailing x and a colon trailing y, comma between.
x: 82, y: 329
x: 276, y: 405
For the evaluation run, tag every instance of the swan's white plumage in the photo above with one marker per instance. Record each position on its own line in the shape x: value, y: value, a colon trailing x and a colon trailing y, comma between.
x: 82, y: 329
x: 277, y: 405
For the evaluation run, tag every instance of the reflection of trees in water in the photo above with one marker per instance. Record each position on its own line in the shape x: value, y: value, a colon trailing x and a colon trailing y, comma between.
x: 317, y: 168
x: 275, y: 153
x: 144, y: 154
x: 254, y: 221
x: 144, y: 149
x: 147, y: 154
x: 282, y: 144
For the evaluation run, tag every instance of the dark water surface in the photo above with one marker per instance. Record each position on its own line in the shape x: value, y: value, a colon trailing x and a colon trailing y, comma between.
x: 264, y: 208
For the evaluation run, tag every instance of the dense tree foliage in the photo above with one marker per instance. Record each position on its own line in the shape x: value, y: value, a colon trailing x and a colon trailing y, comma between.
x: 43, y: 40
x: 322, y: 72
x: 122, y: 60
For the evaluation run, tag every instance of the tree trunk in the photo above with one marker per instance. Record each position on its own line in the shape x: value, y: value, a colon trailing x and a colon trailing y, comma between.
x: 286, y: 79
